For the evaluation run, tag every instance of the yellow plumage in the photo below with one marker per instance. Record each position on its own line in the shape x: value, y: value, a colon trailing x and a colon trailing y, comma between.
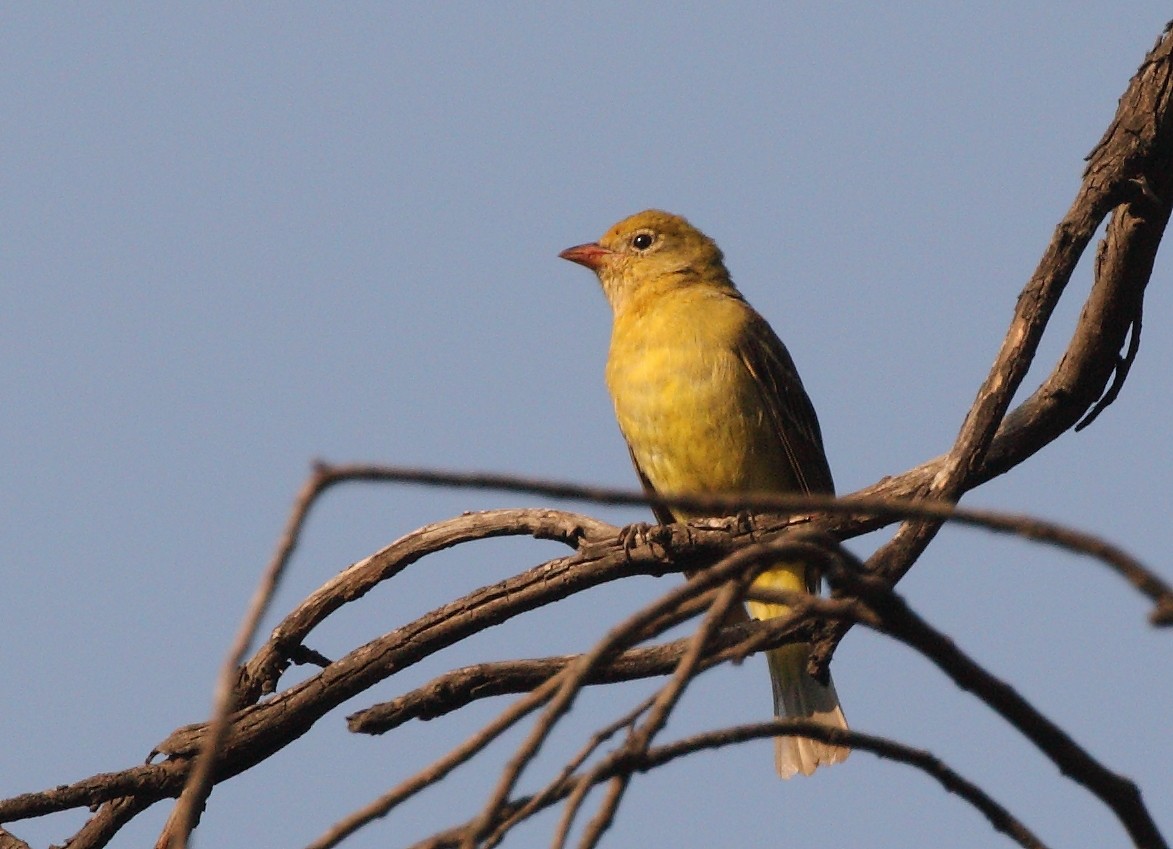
x: 709, y: 400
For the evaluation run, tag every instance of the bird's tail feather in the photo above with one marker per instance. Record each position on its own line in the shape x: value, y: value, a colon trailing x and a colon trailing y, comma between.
x: 799, y: 696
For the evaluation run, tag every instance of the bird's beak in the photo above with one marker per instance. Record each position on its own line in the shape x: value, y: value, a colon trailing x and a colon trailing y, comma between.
x: 592, y: 255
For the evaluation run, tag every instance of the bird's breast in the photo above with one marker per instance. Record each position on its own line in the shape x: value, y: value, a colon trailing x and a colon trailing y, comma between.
x: 689, y: 408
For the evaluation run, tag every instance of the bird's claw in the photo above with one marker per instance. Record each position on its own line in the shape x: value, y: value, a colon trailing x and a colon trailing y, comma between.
x: 641, y: 533
x: 743, y: 523
x: 1145, y: 189
x: 634, y: 535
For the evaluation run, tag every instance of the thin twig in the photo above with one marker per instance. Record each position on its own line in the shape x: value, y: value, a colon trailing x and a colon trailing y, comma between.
x: 597, y: 739
x: 878, y: 510
x: 262, y: 672
x: 641, y: 737
x: 438, y: 770
x: 1117, y: 792
x: 571, y: 681
x: 999, y: 817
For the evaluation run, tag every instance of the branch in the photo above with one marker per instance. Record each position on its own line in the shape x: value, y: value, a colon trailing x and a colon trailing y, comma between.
x: 1117, y: 792
x: 257, y: 731
x: 11, y: 841
x: 561, y: 689
x: 261, y: 674
x: 843, y: 517
x: 186, y: 813
x: 999, y: 817
x: 1130, y: 171
x: 886, y: 613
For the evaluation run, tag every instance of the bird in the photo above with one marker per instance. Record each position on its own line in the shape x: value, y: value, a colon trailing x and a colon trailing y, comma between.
x: 709, y: 401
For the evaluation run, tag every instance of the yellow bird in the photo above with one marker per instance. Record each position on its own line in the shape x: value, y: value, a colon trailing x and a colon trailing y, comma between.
x: 709, y: 400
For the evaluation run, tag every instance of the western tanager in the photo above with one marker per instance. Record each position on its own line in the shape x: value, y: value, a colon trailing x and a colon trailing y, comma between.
x: 709, y: 400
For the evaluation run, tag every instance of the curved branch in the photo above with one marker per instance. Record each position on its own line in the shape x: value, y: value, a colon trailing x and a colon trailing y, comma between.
x: 153, y: 781
x: 999, y: 817
x: 1121, y: 795
x: 11, y: 841
x: 698, y: 539
x: 262, y: 672
x: 1132, y: 158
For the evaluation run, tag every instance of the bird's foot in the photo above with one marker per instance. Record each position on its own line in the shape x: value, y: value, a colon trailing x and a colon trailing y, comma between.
x: 635, y: 535
x: 743, y: 524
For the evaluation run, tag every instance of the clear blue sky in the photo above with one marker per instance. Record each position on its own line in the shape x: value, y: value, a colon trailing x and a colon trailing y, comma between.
x: 234, y: 240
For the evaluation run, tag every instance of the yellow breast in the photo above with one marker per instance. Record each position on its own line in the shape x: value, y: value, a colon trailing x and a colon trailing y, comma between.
x: 687, y: 405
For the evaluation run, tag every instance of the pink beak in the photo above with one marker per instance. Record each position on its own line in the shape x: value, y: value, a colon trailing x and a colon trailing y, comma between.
x: 592, y: 255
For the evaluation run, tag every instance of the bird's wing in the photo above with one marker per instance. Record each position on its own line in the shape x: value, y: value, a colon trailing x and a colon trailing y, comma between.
x: 786, y: 402
x: 790, y: 410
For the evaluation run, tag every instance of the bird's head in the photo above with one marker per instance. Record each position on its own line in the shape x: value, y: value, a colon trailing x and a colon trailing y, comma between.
x: 650, y: 250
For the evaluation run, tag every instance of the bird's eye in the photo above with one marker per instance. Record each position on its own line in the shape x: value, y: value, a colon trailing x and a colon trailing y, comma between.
x: 642, y: 241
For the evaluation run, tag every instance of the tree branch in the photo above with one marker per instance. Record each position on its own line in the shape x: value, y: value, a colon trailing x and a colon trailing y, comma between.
x: 1000, y: 818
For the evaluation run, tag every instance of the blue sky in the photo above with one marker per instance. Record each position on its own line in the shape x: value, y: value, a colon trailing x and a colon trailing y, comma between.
x: 234, y: 240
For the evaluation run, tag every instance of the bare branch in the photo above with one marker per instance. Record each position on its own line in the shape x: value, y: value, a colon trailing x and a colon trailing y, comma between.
x: 843, y: 517
x: 112, y: 816
x: 261, y: 673
x: 641, y: 736
x: 1118, y: 793
x: 199, y: 779
x: 1134, y: 153
x: 11, y: 841
x: 1000, y: 818
x: 154, y: 781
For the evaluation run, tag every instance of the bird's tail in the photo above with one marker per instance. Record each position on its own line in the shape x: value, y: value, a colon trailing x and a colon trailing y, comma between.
x: 799, y: 696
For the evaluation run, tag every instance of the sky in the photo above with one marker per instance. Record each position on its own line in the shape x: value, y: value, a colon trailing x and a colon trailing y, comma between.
x: 234, y: 240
